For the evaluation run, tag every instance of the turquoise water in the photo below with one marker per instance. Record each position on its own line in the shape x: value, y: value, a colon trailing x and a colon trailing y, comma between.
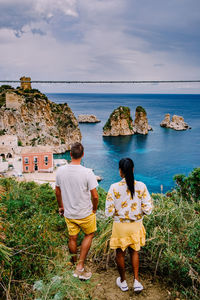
x: 158, y: 156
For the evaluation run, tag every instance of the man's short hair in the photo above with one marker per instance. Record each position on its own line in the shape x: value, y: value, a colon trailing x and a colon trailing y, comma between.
x: 77, y: 150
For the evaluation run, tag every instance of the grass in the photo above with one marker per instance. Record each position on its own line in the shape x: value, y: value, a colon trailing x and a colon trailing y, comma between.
x: 33, y: 248
x: 172, y: 249
x: 59, y: 283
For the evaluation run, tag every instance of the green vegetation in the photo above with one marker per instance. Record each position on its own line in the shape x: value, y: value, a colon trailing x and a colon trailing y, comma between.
x: 140, y: 109
x: 19, y: 143
x: 2, y: 132
x: 2, y: 96
x: 5, y: 87
x: 34, y: 251
x: 189, y: 187
x: 30, y: 94
x: 35, y: 232
x: 33, y: 141
x: 120, y: 112
x: 173, y: 235
x: 5, y: 252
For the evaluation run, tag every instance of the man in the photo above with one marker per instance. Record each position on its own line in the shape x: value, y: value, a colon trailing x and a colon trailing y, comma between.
x: 75, y: 186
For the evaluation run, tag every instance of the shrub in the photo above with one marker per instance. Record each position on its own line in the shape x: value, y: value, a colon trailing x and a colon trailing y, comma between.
x: 59, y: 283
x: 5, y: 87
x: 173, y: 235
x: 19, y: 143
x: 2, y: 132
x: 5, y: 252
x: 189, y: 187
x: 37, y: 96
x: 31, y: 209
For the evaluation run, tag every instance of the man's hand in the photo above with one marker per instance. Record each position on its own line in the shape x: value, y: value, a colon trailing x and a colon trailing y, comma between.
x: 59, y: 200
x: 95, y: 199
x: 61, y: 211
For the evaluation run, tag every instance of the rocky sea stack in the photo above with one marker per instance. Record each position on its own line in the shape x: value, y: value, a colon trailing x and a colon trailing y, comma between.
x: 141, y: 122
x: 177, y: 123
x: 35, y: 120
x: 88, y: 119
x: 119, y: 123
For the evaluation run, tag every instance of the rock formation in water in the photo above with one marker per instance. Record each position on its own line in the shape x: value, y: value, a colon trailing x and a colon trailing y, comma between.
x: 119, y: 123
x: 35, y: 120
x: 177, y: 123
x: 88, y: 119
x: 141, y: 122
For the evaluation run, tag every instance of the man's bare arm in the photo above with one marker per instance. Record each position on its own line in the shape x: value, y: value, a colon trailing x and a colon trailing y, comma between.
x: 95, y: 199
x: 59, y: 200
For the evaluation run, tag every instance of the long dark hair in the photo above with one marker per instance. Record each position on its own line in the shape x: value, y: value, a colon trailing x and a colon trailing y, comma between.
x: 126, y: 165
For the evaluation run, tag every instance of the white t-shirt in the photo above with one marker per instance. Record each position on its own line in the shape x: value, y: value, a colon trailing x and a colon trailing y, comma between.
x: 76, y: 182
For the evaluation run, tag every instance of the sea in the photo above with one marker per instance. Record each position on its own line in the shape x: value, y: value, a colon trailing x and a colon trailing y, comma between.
x: 157, y: 156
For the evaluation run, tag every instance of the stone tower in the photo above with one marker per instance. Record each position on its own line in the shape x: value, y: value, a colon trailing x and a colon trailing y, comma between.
x: 25, y: 83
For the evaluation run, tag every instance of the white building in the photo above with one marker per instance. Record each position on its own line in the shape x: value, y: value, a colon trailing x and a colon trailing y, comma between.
x: 8, y: 141
x: 3, y: 167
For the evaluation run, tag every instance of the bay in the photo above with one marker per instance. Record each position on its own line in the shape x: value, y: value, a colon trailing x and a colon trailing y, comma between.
x: 158, y: 156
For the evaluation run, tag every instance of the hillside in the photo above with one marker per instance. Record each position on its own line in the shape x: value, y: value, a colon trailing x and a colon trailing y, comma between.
x: 39, y: 265
x: 36, y: 120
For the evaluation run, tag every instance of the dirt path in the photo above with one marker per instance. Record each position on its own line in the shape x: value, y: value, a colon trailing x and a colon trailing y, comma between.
x: 105, y: 287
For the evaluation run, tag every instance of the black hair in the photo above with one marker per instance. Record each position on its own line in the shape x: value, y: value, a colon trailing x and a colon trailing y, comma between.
x: 77, y: 150
x: 126, y: 165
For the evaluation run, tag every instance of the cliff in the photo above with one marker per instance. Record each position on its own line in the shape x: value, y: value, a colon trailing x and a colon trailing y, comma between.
x: 141, y: 122
x: 177, y: 123
x: 35, y: 120
x: 119, y: 123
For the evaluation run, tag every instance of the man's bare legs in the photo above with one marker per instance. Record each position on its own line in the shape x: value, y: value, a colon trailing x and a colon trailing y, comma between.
x: 72, y: 244
x: 120, y: 263
x: 134, y: 255
x: 85, y: 247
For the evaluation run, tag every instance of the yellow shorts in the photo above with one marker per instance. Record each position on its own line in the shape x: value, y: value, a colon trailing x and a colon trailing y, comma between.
x: 88, y: 225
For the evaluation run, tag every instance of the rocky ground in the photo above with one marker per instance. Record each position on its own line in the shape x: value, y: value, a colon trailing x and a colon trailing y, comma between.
x: 105, y: 287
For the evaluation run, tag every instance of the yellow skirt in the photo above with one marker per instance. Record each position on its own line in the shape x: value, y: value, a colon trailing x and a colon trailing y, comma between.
x: 128, y: 235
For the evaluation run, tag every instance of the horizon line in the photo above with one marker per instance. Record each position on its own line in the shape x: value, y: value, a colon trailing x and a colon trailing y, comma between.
x: 102, y: 81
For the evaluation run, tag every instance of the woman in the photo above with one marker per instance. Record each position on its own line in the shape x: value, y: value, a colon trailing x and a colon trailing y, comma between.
x: 128, y: 201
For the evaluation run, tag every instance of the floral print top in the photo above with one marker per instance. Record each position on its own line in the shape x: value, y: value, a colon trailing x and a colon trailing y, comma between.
x: 125, y: 209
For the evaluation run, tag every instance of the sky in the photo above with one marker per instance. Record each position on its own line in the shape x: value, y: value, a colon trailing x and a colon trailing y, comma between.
x: 101, y: 40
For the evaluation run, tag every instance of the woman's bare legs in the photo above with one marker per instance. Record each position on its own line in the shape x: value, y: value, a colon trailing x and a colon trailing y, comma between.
x: 134, y: 255
x: 121, y: 263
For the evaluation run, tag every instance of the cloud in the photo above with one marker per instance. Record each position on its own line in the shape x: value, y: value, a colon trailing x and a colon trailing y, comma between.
x: 100, y: 40
x: 37, y: 31
x: 47, y: 8
x: 27, y: 12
